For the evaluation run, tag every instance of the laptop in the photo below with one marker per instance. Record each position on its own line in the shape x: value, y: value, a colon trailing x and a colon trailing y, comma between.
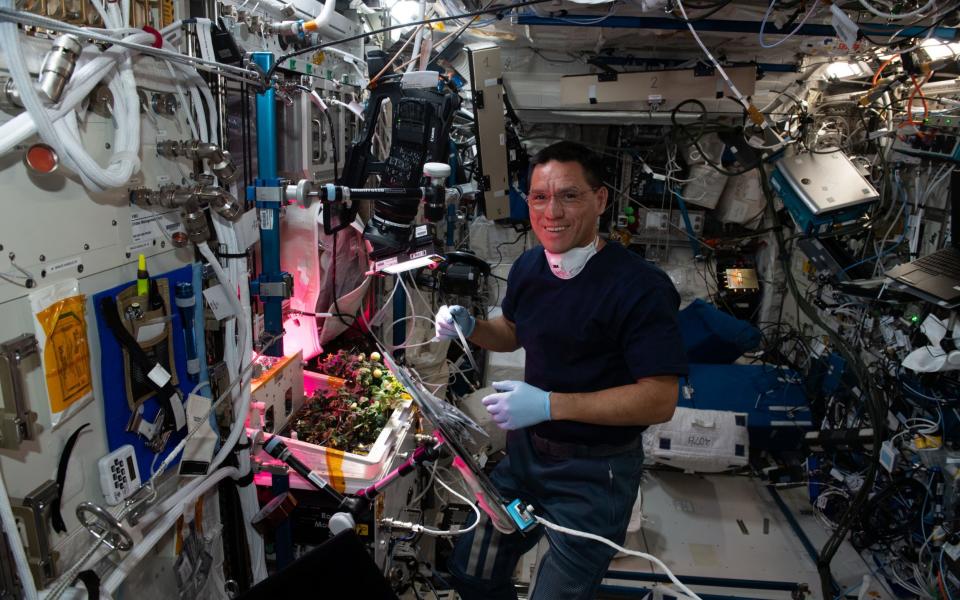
x: 826, y: 181
x: 936, y: 276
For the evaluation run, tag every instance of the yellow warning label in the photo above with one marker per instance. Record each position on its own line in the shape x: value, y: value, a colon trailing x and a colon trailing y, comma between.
x: 66, y: 355
x: 363, y: 529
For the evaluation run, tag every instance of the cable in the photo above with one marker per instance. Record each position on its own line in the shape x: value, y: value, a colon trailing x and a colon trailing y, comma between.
x: 12, y: 533
x: 333, y: 142
x: 233, y: 72
x: 418, y: 528
x: 710, y: 10
x: 281, y: 60
x: 883, y: 15
x: 649, y: 557
x: 875, y: 405
x: 766, y: 16
x: 726, y: 78
x: 917, y: 89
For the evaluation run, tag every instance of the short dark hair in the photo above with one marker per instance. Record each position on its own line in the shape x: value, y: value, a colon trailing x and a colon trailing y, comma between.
x: 565, y: 151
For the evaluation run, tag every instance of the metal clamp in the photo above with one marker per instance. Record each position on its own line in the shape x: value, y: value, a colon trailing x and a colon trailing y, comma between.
x: 153, y: 433
x: 17, y: 423
x: 103, y: 526
x: 34, y: 512
x: 277, y: 289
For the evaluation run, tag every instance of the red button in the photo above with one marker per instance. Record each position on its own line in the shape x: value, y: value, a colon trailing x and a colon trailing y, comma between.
x: 41, y: 158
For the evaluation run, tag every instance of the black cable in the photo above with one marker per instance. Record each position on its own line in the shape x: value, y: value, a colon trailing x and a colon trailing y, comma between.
x: 523, y: 233
x: 712, y: 10
x: 333, y: 284
x: 696, y: 140
x: 333, y: 142
x: 875, y: 407
x: 936, y: 23
x: 361, y: 36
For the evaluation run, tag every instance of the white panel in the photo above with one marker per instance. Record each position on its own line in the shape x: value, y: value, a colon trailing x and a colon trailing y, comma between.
x: 637, y: 88
x: 50, y: 221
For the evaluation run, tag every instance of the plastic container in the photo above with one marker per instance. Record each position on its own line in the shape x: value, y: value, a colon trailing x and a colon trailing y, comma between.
x: 346, y: 472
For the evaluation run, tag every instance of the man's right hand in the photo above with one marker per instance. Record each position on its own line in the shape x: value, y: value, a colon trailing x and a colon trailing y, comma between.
x: 447, y: 316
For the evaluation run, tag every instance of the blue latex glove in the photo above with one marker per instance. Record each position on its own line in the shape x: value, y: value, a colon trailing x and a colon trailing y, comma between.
x: 517, y: 405
x: 446, y: 317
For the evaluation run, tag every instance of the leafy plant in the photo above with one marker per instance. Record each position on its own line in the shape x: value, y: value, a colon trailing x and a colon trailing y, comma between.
x: 350, y: 416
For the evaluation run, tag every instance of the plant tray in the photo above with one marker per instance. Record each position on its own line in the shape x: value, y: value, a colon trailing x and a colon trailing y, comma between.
x: 346, y: 472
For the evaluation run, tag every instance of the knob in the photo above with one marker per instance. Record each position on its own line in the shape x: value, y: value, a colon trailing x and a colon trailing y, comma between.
x: 435, y: 171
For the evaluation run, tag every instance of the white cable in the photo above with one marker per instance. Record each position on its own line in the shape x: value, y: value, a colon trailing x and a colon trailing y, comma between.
x: 239, y: 73
x: 184, y: 498
x: 422, y: 11
x: 883, y: 15
x: 637, y: 553
x: 766, y: 16
x: 349, y: 107
x: 417, y: 528
x: 726, y: 78
x: 9, y: 526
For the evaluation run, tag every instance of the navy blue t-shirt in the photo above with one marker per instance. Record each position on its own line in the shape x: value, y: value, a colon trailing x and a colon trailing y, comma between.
x: 612, y: 324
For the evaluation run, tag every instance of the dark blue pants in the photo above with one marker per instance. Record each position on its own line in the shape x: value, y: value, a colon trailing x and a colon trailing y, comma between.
x: 595, y: 495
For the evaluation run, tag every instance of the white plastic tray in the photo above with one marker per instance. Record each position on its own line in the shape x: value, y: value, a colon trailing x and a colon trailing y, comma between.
x: 346, y: 472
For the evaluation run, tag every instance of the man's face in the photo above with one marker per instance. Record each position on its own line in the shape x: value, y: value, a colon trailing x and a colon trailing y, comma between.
x: 564, y: 208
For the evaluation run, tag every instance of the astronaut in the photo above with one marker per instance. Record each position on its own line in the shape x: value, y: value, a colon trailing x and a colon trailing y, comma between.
x: 603, y: 357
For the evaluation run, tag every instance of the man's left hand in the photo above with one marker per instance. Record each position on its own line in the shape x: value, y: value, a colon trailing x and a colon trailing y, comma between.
x: 517, y: 404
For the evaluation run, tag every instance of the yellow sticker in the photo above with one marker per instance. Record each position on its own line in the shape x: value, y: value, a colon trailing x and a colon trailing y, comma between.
x: 363, y: 529
x: 66, y: 355
x: 335, y: 469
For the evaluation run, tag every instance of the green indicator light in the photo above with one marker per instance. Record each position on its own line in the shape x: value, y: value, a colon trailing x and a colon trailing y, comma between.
x: 914, y: 318
x: 949, y: 121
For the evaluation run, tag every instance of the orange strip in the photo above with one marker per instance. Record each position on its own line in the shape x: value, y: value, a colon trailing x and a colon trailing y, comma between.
x: 335, y: 469
x: 178, y: 544
x: 198, y: 516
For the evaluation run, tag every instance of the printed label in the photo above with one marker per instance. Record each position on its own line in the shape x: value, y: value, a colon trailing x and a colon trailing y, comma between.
x: 266, y: 219
x: 218, y: 302
x: 64, y: 265
x: 159, y: 375
x: 135, y: 248
x: 147, y: 226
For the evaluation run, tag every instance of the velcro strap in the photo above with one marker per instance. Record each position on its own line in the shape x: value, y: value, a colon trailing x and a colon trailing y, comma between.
x: 174, y: 416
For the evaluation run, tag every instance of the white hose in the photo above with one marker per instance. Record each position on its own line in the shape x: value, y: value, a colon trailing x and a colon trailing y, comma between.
x: 184, y: 498
x: 85, y: 78
x: 238, y: 356
x: 59, y: 134
x: 250, y: 505
x: 326, y: 13
x: 16, y: 544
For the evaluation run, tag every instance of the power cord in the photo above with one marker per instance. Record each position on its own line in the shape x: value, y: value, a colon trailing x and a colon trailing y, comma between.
x: 596, y: 538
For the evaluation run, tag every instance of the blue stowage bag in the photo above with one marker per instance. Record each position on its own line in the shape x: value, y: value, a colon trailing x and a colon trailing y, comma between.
x: 712, y: 336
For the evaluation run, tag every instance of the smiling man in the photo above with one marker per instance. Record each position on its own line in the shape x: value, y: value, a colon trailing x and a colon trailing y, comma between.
x: 603, y: 357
